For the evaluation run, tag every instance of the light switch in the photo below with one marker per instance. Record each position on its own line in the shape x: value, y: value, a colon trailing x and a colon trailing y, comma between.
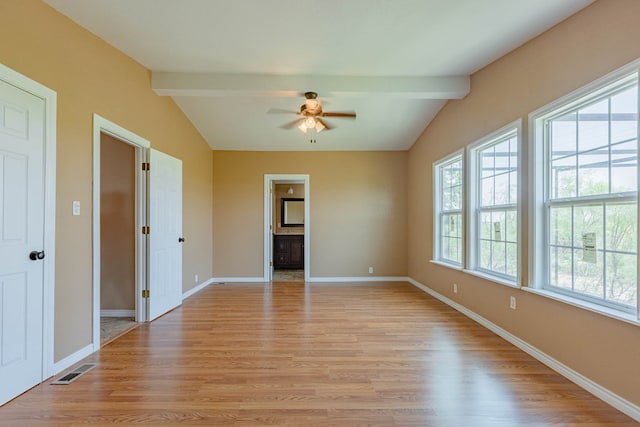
x: 76, y: 208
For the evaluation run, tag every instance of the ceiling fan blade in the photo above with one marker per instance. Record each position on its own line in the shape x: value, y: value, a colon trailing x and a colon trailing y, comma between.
x: 342, y: 114
x: 281, y: 111
x: 292, y: 124
x: 323, y: 123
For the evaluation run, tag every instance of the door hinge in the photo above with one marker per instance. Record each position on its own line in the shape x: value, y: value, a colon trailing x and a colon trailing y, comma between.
x: 270, y: 263
x: 146, y: 293
x: 146, y: 229
x: 146, y: 166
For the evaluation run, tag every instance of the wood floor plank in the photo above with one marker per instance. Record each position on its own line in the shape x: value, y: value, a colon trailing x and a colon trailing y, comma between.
x: 290, y: 354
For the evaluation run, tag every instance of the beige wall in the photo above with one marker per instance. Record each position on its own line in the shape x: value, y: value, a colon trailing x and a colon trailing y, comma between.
x: 597, y: 40
x: 91, y: 77
x: 357, y: 207
x: 117, y: 224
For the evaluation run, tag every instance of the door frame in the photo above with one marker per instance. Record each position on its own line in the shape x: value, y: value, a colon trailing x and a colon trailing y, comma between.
x: 141, y: 146
x: 269, y: 181
x: 49, y: 97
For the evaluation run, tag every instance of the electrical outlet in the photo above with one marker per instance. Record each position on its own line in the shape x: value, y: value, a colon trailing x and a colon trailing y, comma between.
x: 370, y: 270
x: 455, y: 288
x: 196, y: 279
x: 512, y: 303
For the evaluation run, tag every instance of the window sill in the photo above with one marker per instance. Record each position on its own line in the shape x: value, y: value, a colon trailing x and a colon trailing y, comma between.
x: 495, y: 279
x: 446, y: 264
x: 594, y: 308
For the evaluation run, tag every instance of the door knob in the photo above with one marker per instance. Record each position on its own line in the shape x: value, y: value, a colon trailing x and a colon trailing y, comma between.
x: 35, y: 255
x: 180, y: 239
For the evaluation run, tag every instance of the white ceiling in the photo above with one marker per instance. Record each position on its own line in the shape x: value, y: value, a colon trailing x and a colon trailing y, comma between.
x: 226, y: 63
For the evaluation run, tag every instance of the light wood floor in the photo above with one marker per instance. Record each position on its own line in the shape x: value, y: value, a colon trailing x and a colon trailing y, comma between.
x: 290, y: 354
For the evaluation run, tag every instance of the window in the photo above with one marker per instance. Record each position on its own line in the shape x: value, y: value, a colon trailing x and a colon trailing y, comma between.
x: 586, y: 175
x: 493, y: 187
x: 449, y: 193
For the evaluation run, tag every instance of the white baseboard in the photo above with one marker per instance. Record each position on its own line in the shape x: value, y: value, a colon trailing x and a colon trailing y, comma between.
x: 237, y: 279
x: 357, y: 279
x: 72, y: 359
x: 117, y: 313
x: 592, y: 387
x: 196, y: 289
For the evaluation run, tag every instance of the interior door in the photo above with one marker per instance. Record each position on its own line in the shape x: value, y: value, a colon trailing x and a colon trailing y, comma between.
x: 21, y: 240
x: 165, y: 235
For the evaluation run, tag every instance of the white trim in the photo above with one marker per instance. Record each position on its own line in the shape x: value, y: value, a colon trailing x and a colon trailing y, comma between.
x: 589, y: 385
x: 493, y: 278
x: 117, y: 313
x: 196, y: 289
x: 357, y: 279
x: 72, y: 359
x: 220, y: 280
x: 446, y: 264
x: 269, y: 180
x: 50, y: 99
x: 141, y: 146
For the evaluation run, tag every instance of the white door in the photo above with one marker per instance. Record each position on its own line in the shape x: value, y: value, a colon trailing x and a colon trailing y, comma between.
x: 21, y: 233
x: 165, y: 235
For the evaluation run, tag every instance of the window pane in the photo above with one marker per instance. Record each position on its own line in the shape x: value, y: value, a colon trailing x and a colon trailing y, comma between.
x: 513, y: 187
x: 487, y: 162
x: 624, y: 167
x: 487, y: 187
x: 502, y: 189
x: 485, y: 225
x: 512, y: 259
x: 498, y: 254
x: 593, y: 173
x: 451, y: 227
x: 560, y: 267
x: 622, y: 227
x: 624, y: 115
x: 564, y: 178
x: 561, y: 226
x: 588, y: 277
x: 563, y: 136
x: 485, y: 254
x: 621, y: 279
x: 588, y: 219
x: 593, y: 126
x: 511, y: 226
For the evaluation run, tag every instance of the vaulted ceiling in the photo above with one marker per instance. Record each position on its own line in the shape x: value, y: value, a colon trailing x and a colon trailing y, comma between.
x: 229, y: 63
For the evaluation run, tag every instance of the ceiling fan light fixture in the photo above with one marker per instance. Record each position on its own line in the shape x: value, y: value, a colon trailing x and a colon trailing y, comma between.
x: 310, y: 122
x: 319, y: 126
x: 303, y: 127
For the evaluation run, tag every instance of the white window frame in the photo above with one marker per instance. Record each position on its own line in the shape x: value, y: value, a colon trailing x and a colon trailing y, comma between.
x: 474, y: 181
x: 438, y: 209
x: 539, y: 198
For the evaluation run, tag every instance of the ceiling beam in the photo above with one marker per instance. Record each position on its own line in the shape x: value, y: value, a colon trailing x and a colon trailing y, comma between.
x: 201, y: 84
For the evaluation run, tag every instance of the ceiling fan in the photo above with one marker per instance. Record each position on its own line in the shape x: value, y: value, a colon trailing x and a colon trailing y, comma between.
x: 312, y: 115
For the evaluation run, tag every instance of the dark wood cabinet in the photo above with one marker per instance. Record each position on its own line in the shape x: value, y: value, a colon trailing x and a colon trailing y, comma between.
x: 288, y: 251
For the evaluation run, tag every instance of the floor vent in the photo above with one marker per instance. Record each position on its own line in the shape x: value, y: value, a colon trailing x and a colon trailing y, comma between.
x: 73, y: 375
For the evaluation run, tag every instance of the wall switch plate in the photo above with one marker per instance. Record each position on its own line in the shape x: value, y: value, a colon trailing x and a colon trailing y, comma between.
x: 455, y: 288
x: 75, y: 209
x: 512, y: 303
x: 370, y: 270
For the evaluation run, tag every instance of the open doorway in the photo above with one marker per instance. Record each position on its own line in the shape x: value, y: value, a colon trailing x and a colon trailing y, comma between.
x: 288, y: 232
x: 287, y: 228
x: 118, y: 247
x: 117, y: 242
